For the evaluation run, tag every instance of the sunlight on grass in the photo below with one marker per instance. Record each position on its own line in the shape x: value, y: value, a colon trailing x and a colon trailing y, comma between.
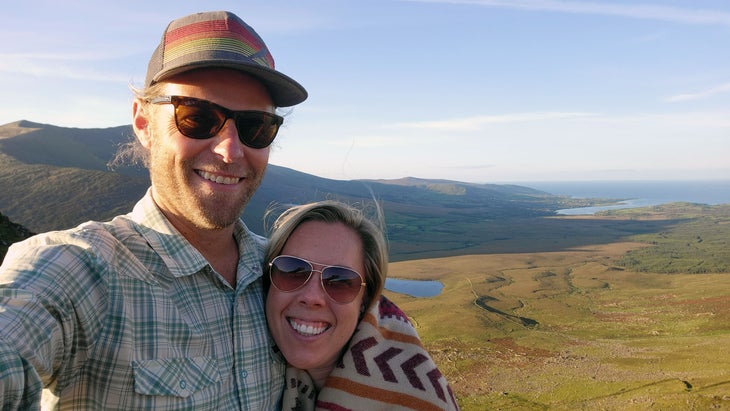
x: 603, y: 337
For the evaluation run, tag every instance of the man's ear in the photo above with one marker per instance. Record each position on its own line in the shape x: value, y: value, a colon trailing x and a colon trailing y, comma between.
x: 141, y: 123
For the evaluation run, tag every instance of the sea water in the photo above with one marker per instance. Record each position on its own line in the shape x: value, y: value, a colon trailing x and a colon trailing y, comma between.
x: 638, y: 193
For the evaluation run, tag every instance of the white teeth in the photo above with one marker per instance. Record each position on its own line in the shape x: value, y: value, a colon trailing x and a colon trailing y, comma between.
x: 219, y: 179
x: 307, y: 330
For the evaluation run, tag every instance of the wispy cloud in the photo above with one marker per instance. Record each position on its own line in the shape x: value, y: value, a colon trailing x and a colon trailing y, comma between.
x: 477, y: 122
x: 722, y: 88
x: 64, y: 56
x: 67, y: 66
x: 638, y: 11
x: 572, y: 120
x: 373, y: 141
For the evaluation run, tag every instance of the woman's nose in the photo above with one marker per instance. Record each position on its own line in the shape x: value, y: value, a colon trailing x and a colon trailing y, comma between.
x: 312, y: 292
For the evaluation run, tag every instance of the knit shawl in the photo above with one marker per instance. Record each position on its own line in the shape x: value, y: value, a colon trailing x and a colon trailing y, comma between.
x: 384, y: 367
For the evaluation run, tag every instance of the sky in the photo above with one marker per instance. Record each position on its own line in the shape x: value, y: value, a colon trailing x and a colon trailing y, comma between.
x: 484, y: 91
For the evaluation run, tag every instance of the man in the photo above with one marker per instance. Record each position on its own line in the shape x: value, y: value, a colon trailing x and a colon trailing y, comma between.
x: 161, y: 308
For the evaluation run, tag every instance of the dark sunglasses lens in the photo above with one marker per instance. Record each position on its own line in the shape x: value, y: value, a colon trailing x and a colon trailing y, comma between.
x: 196, y: 119
x: 342, y: 284
x: 288, y: 273
x: 257, y: 130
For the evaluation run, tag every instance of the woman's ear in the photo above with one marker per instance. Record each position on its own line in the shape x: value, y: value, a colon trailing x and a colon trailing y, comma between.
x: 141, y: 123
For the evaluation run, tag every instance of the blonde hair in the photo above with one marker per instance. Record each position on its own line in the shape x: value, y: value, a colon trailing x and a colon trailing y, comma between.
x: 375, y: 249
x: 132, y: 152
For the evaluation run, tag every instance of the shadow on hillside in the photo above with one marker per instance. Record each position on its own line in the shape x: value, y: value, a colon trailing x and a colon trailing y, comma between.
x: 514, y: 235
x: 481, y: 302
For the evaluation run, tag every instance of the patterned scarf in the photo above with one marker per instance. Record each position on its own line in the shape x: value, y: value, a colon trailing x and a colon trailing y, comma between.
x: 384, y: 367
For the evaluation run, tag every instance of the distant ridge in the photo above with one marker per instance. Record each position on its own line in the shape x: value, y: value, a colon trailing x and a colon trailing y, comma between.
x: 17, y: 128
x: 57, y: 177
x: 50, y: 145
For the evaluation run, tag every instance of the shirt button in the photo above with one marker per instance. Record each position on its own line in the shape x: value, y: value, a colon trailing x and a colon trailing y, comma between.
x: 244, y: 374
x: 183, y: 384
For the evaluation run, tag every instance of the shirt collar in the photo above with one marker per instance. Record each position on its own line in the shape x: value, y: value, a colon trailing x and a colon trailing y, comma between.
x: 180, y: 257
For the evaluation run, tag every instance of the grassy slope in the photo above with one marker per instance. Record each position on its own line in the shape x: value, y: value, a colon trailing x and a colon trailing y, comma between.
x: 606, y: 337
x: 49, y: 198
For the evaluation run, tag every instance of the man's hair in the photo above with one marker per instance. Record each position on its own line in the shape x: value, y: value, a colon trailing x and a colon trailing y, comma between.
x: 132, y: 152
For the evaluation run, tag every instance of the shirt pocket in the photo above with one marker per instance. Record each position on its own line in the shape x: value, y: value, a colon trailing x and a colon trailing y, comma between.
x: 180, y: 377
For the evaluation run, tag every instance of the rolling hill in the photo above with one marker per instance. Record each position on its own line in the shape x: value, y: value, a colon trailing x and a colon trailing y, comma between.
x: 55, y: 178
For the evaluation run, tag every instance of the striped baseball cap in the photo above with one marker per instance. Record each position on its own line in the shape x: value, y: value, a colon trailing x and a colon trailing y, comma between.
x: 220, y: 39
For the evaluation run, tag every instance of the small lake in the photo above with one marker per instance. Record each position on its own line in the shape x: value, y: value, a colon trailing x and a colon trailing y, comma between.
x: 414, y: 288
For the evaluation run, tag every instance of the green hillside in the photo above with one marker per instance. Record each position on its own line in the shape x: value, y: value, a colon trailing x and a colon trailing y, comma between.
x: 55, y: 178
x: 700, y: 244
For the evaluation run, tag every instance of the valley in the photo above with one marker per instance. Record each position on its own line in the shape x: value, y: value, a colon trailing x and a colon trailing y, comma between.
x: 574, y: 329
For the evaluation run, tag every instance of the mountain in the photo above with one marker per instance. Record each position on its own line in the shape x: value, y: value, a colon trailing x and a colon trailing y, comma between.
x: 56, y: 177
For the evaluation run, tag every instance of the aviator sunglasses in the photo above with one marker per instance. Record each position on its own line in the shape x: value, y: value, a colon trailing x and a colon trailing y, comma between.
x: 202, y: 119
x: 341, y: 284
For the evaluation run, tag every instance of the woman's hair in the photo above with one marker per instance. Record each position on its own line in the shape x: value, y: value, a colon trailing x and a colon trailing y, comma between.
x: 375, y: 249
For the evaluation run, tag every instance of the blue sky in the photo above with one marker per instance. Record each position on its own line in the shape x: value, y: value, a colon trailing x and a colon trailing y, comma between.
x: 474, y: 90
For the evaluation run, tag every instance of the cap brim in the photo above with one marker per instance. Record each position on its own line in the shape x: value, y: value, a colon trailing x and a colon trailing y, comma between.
x: 284, y: 90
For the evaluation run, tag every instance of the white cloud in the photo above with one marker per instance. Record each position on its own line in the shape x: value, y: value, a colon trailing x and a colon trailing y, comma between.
x: 722, y: 88
x: 477, y: 122
x: 691, y: 120
x: 73, y: 67
x: 638, y: 11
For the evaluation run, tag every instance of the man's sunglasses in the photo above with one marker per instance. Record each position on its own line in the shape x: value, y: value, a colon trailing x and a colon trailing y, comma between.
x: 341, y: 284
x: 201, y: 119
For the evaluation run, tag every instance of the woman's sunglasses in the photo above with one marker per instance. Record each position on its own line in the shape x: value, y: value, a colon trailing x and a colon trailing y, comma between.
x: 201, y: 119
x: 341, y: 284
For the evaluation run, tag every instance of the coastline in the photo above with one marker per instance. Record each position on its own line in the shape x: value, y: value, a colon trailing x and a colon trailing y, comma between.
x: 634, y: 194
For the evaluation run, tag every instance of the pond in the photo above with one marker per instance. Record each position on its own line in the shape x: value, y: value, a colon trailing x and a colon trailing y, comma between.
x: 414, y: 288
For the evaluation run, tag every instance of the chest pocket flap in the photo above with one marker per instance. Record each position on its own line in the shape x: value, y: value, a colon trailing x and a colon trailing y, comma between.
x: 179, y: 377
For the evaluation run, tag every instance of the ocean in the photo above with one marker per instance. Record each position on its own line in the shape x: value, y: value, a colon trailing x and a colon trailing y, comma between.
x: 638, y: 193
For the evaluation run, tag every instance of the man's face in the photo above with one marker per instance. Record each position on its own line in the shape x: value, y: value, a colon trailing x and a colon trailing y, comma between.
x: 205, y: 184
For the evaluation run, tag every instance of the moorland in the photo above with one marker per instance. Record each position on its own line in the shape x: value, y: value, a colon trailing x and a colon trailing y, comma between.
x: 623, y: 310
x: 604, y: 325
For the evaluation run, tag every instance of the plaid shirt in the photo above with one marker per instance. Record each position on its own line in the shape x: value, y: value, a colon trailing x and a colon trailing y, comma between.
x: 128, y: 315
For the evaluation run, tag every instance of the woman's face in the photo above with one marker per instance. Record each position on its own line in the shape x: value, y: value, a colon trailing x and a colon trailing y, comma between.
x: 310, y: 328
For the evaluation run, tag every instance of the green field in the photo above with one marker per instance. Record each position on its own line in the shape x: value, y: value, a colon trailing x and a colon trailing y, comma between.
x: 581, y: 328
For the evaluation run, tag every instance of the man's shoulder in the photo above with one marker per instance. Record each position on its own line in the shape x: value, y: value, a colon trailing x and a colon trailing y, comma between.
x: 94, y: 237
x: 120, y: 226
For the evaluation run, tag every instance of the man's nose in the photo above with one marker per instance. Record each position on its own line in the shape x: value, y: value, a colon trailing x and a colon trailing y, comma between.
x: 227, y: 144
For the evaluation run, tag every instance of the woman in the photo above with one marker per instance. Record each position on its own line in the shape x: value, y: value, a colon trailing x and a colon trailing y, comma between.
x: 347, y: 346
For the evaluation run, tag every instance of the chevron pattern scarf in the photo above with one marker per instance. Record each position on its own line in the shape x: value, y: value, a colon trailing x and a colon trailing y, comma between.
x: 384, y: 367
